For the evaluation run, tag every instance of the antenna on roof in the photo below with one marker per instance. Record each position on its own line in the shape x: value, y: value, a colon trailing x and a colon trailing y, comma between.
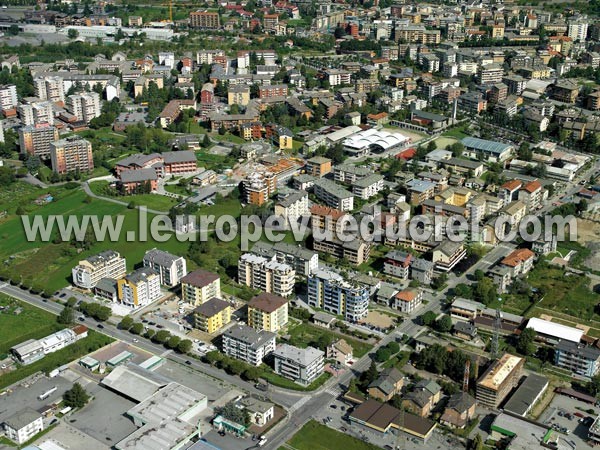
x: 494, y: 350
x: 466, y: 375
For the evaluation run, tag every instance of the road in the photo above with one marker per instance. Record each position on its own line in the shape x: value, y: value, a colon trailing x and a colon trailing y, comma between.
x: 283, y: 397
x: 88, y: 191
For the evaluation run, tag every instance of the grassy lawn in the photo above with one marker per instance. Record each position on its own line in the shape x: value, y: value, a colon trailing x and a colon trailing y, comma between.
x: 564, y: 294
x: 51, y: 361
x: 50, y: 264
x: 457, y: 133
x: 398, y: 361
x: 19, y: 193
x: 228, y: 137
x: 152, y: 201
x: 213, y: 161
x: 31, y: 323
x: 176, y: 189
x: 314, y: 436
x: 444, y: 141
x: 282, y: 382
x: 302, y: 335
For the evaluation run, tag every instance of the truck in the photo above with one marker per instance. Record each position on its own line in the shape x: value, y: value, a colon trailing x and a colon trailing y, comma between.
x: 54, y: 373
x: 262, y: 441
x: 47, y: 394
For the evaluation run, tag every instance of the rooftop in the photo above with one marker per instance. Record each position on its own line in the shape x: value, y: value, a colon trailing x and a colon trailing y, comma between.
x: 555, y: 330
x: 267, y: 302
x: 300, y: 356
x: 211, y: 307
x: 200, y: 278
x: 499, y: 371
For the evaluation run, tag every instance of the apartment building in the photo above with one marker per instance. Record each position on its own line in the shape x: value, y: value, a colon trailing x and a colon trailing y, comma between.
x: 273, y: 90
x: 498, y: 380
x: 36, y: 140
x: 89, y: 271
x: 303, y: 260
x: 8, y: 98
x: 199, y: 286
x: 205, y: 19
x: 577, y: 358
x: 71, y: 154
x: 36, y: 113
x: 368, y: 186
x: 246, y: 344
x: 258, y: 187
x: 23, y: 425
x: 292, y: 207
x: 85, y: 106
x: 397, y: 264
x: 472, y: 102
x: 318, y: 166
x: 520, y: 261
x: 268, y: 312
x: 171, y: 268
x: 328, y: 290
x: 448, y: 254
x: 408, y: 300
x: 420, y: 190
x: 139, y: 288
x: 490, y: 74
x: 212, y: 315
x: 49, y: 88
x: 355, y: 251
x: 266, y: 274
x: 337, y: 77
x: 301, y: 365
x: 349, y: 173
x: 238, y: 94
x: 333, y: 195
x: 531, y: 195
x: 565, y: 91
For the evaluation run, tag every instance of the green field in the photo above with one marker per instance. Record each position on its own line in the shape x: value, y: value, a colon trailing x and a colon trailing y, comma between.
x: 31, y: 323
x: 314, y: 436
x: 302, y: 335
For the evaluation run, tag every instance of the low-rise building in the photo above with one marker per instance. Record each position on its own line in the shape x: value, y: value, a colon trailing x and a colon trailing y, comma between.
x: 23, y: 425
x: 388, y: 383
x: 577, y: 358
x: 460, y: 410
x: 448, y: 254
x: 340, y: 351
x: 302, y: 365
x: 397, y: 264
x: 368, y: 186
x: 408, y: 300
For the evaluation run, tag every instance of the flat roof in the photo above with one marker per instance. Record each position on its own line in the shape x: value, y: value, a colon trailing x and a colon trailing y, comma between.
x: 134, y: 384
x: 555, y: 330
x: 526, y: 394
x: 499, y: 371
x: 485, y: 145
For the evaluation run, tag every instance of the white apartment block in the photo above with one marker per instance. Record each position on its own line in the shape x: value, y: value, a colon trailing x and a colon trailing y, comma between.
x: 301, y: 365
x: 107, y: 264
x: 368, y: 187
x: 246, y: 344
x: 292, y: 207
x: 85, y: 106
x: 49, y: 88
x: 266, y: 274
x: 24, y: 425
x: 333, y: 195
x: 578, y: 30
x: 167, y: 59
x: 171, y: 268
x: 8, y: 97
x: 337, y: 77
x: 36, y: 113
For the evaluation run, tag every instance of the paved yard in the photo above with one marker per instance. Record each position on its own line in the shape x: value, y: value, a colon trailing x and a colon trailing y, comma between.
x: 379, y: 319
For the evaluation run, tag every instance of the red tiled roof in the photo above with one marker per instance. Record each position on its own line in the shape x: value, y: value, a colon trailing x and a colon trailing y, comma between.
x: 518, y: 256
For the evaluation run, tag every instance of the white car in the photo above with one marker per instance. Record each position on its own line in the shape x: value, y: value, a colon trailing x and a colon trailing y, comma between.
x: 136, y: 340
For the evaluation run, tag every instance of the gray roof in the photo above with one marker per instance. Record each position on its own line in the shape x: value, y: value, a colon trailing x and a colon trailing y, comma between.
x: 368, y: 180
x: 448, y: 247
x: 333, y: 188
x: 211, y: 307
x: 292, y: 198
x: 180, y: 156
x: 460, y: 402
x: 139, y: 159
x: 465, y: 328
x: 22, y: 418
x: 466, y: 163
x: 583, y: 351
x: 300, y: 356
x: 249, y: 335
x: 136, y: 176
x: 420, y: 185
x: 521, y: 401
x: 140, y: 274
x: 160, y: 257
x: 485, y: 145
x: 107, y: 285
x: 421, y: 264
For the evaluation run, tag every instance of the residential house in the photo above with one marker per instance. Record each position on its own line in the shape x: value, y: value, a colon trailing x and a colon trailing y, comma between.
x: 460, y: 410
x: 388, y: 383
x: 341, y: 351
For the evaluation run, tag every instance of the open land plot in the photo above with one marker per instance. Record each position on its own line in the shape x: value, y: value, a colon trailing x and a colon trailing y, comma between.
x: 314, y: 436
x: 303, y: 335
x: 30, y: 323
x: 379, y: 319
x: 444, y: 141
x: 152, y: 201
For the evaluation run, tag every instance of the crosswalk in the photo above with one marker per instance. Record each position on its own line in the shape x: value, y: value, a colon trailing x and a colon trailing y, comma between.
x: 299, y: 404
x: 334, y: 390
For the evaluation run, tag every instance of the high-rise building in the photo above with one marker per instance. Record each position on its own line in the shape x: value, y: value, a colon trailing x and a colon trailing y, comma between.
x: 85, y: 106
x: 89, y: 271
x: 258, y: 187
x: 328, y: 290
x: 205, y: 19
x: 199, y: 286
x: 36, y: 113
x: 171, y: 268
x: 71, y: 154
x: 36, y: 140
x: 140, y: 288
x: 49, y: 88
x: 8, y: 97
x: 578, y: 29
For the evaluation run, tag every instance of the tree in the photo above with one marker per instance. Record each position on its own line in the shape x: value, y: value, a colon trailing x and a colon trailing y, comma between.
x: 394, y: 347
x: 66, y: 316
x: 150, y: 332
x: 382, y: 354
x: 463, y: 290
x: 7, y: 176
x: 251, y: 374
x: 444, y: 324
x: 476, y: 443
x: 231, y: 412
x: 428, y: 318
x: 222, y: 130
x: 73, y: 34
x: 593, y: 386
x: 13, y: 30
x: 206, y: 141
x: 184, y: 346
x: 525, y: 342
x: 161, y: 337
x: 76, y: 397
x: 370, y: 374
x: 125, y: 323
x: 173, y: 342
x: 137, y: 328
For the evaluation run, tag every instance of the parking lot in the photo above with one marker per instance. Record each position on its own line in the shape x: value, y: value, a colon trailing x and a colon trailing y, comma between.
x: 563, y: 414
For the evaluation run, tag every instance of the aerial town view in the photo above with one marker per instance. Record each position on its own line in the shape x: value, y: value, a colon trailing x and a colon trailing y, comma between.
x: 299, y: 224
